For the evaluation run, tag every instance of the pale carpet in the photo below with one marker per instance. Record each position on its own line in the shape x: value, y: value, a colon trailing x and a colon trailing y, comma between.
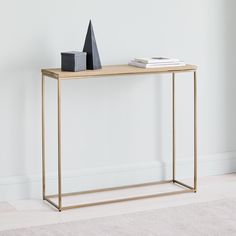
x: 210, y: 218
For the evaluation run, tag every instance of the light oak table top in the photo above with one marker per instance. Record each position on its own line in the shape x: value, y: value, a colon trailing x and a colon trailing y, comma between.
x: 112, y: 70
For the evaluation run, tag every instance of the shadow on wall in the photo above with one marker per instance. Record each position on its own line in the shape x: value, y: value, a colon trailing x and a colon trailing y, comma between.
x: 229, y: 79
x: 19, y: 102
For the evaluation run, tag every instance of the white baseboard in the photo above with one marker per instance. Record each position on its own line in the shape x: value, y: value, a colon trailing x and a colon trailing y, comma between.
x: 20, y: 187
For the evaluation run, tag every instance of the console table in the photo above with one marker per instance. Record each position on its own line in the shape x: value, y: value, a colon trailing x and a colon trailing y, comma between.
x: 115, y: 70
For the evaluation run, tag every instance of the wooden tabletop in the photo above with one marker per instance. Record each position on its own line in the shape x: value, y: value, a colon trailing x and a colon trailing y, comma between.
x: 114, y: 70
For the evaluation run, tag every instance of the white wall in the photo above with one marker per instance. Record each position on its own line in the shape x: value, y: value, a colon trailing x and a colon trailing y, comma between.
x: 115, y: 130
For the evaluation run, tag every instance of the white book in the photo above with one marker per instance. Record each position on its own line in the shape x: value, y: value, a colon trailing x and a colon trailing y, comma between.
x: 142, y: 65
x: 156, y: 60
x: 159, y: 63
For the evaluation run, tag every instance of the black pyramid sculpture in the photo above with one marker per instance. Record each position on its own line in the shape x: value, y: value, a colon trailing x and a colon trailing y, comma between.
x: 90, y: 46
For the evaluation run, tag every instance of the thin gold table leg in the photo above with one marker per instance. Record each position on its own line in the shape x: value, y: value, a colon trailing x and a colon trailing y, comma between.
x: 43, y: 138
x: 195, y: 131
x: 59, y: 144
x: 173, y: 126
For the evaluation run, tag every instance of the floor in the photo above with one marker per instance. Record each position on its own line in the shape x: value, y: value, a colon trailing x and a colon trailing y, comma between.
x: 25, y: 213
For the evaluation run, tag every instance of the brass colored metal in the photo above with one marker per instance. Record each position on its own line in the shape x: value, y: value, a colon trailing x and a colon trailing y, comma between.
x: 51, y: 202
x: 55, y: 74
x: 189, y: 189
x: 127, y: 199
x: 111, y: 189
x: 195, y: 131
x: 43, y: 136
x: 183, y: 184
x: 59, y: 143
x: 173, y: 126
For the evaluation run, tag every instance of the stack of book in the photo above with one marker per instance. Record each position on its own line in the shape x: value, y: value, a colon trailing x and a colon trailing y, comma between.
x: 156, y: 62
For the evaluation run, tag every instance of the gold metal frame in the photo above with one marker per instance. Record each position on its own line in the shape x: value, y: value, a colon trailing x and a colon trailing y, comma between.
x: 59, y: 195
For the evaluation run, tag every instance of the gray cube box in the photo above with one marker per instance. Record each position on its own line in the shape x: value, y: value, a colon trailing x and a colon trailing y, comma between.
x: 73, y: 61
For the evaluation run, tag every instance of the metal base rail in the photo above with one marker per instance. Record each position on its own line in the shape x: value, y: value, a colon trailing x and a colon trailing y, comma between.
x: 187, y: 189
